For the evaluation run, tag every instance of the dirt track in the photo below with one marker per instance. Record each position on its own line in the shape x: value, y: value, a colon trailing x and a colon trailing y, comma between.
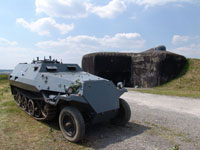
x: 157, y: 123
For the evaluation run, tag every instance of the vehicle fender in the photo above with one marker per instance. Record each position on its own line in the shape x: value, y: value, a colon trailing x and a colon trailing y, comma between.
x: 122, y: 91
x: 72, y: 97
x: 55, y: 99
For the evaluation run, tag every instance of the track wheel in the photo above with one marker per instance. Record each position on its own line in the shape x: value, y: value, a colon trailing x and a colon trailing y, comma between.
x: 124, y: 114
x: 31, y: 107
x: 37, y: 110
x: 72, y: 124
x: 17, y: 97
x: 23, y: 102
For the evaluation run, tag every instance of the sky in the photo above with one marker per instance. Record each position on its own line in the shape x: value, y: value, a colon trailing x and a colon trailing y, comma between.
x: 69, y: 29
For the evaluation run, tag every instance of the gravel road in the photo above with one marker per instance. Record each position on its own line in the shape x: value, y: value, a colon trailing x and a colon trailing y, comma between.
x: 157, y: 123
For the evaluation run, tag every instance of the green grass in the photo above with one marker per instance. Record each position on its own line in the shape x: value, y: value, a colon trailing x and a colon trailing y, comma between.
x: 186, y: 84
x: 3, y: 77
x: 19, y: 131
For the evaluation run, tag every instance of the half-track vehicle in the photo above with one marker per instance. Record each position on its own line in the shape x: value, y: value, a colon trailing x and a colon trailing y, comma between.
x: 48, y: 87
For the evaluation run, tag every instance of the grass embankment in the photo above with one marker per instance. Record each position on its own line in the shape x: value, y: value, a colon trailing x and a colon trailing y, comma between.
x: 186, y: 84
x: 20, y: 131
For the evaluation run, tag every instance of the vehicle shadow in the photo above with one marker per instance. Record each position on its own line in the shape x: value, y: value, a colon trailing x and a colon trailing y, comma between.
x: 101, y: 135
x: 52, y: 124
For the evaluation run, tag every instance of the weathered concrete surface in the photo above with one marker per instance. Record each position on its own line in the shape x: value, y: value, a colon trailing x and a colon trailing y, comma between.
x: 152, y: 68
x: 157, y: 123
x: 146, y: 69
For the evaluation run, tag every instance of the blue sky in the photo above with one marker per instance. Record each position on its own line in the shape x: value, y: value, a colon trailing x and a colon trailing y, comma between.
x: 68, y: 29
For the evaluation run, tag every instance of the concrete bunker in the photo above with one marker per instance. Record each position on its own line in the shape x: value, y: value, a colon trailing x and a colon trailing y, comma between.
x: 147, y: 69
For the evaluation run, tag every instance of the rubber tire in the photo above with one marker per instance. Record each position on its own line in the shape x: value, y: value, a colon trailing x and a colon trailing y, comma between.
x: 79, y: 123
x: 124, y: 114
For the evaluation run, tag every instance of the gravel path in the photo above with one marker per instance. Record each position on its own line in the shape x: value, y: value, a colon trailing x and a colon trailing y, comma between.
x: 157, y: 123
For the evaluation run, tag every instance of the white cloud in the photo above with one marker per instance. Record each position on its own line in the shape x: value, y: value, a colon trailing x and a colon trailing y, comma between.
x: 5, y: 42
x: 179, y: 5
x: 177, y: 39
x: 44, y: 26
x: 62, y: 8
x: 72, y: 48
x: 79, y: 8
x: 151, y: 3
x: 191, y: 51
x: 15, y: 54
x: 118, y: 42
x: 113, y: 8
x: 133, y: 17
x: 190, y: 46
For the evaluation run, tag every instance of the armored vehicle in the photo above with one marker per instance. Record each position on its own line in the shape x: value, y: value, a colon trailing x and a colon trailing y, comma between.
x: 48, y: 87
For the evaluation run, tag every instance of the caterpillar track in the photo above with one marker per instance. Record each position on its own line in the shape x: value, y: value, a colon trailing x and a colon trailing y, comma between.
x: 33, y: 105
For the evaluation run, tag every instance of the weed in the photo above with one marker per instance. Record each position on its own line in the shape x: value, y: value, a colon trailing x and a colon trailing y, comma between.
x: 168, y: 133
x: 175, y: 147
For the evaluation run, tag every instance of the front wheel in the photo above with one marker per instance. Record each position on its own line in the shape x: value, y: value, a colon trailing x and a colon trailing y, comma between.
x: 72, y: 124
x: 124, y: 114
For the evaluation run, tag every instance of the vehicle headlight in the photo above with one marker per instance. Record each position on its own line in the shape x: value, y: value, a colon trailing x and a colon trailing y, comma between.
x: 120, y: 85
x: 70, y: 90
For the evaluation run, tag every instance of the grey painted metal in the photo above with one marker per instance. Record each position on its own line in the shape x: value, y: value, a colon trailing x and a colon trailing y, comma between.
x: 52, y: 78
x: 102, y: 95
